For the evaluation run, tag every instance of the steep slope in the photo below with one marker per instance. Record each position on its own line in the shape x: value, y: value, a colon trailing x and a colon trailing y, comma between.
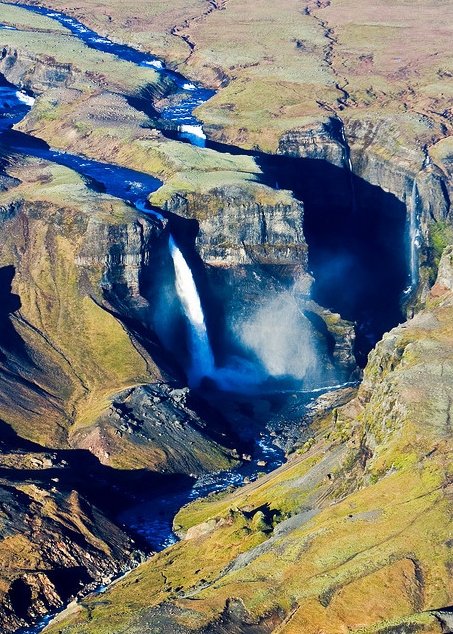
x: 53, y: 540
x: 353, y: 534
x: 82, y: 397
x: 297, y: 79
x: 65, y: 353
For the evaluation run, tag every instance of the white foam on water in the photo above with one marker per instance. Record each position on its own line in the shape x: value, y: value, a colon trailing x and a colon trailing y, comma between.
x: 153, y: 64
x: 24, y: 98
x: 194, y: 130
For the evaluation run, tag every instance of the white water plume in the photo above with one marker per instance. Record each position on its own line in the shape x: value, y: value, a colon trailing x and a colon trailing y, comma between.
x: 24, y: 98
x: 281, y: 337
x: 193, y: 133
x: 202, y: 358
x: 153, y: 64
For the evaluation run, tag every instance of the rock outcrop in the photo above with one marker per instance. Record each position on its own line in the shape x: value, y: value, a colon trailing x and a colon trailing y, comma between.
x: 246, y: 224
x: 62, y: 371
x: 153, y: 426
x: 76, y: 322
x: 53, y: 542
x: 324, y: 141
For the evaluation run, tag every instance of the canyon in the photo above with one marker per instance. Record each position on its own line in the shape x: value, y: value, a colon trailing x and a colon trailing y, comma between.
x: 207, y: 267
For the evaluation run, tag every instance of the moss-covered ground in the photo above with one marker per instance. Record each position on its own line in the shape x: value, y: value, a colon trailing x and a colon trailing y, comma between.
x: 352, y: 534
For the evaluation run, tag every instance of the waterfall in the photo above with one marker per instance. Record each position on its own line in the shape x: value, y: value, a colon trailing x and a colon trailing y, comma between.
x: 347, y: 159
x: 414, y: 240
x: 202, y: 358
x: 346, y: 149
x: 193, y: 133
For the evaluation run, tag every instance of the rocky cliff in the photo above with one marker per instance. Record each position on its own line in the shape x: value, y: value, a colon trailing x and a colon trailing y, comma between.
x: 248, y: 224
x: 64, y: 374
x: 81, y: 386
x: 66, y: 347
x: 53, y: 541
x: 352, y: 533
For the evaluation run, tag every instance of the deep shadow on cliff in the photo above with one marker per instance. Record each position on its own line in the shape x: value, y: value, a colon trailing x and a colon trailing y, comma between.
x: 357, y: 237
x: 357, y: 243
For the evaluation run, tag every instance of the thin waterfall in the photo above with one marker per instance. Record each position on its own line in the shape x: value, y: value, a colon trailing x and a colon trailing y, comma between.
x: 348, y: 161
x: 202, y: 357
x: 414, y: 240
x: 346, y: 149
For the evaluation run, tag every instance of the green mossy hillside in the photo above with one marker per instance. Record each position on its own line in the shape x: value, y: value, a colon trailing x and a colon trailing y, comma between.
x: 350, y: 535
x: 74, y: 354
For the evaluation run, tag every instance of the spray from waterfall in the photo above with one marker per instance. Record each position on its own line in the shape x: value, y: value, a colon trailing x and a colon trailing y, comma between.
x: 202, y: 357
x: 277, y: 334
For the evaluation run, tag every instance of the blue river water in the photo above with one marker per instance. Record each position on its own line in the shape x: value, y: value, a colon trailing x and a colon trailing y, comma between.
x: 192, y: 95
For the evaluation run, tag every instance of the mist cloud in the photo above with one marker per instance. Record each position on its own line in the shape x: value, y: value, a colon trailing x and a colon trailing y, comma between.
x: 280, y: 336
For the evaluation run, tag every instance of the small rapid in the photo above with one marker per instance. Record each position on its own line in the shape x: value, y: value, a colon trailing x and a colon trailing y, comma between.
x: 181, y: 113
x: 14, y: 105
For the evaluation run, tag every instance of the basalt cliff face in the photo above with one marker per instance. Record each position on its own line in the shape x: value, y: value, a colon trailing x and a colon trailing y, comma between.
x: 77, y: 330
x: 82, y: 399
x: 239, y: 225
x: 57, y: 297
x: 405, y: 161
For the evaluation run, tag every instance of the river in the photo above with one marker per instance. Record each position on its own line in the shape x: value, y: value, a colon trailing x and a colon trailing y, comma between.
x: 151, y: 518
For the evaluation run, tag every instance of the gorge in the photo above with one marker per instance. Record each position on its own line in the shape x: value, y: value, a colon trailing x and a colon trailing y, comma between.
x: 236, y: 304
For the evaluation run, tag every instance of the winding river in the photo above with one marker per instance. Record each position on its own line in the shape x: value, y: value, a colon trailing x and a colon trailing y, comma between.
x: 152, y: 519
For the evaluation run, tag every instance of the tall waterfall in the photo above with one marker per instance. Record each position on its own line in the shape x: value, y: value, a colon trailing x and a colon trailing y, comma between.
x: 414, y: 240
x: 202, y: 358
x: 348, y: 161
